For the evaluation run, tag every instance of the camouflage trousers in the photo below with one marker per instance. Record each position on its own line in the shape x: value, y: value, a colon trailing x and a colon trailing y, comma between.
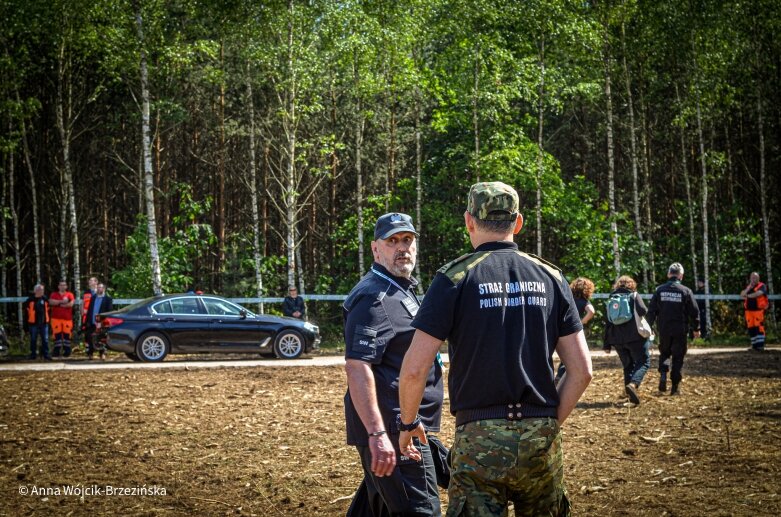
x: 497, y: 461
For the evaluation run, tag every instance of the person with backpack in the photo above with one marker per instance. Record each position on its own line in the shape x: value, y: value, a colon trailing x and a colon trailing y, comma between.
x: 673, y: 307
x: 621, y: 333
x: 755, y: 302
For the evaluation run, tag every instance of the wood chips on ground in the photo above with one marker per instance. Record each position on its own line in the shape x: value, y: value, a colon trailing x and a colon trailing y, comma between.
x: 270, y: 441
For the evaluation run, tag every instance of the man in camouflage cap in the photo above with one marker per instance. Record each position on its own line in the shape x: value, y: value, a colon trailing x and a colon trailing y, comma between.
x: 493, y: 201
x: 503, y: 313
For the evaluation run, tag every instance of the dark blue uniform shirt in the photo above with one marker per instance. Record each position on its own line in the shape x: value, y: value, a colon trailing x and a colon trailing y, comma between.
x: 377, y: 330
x: 502, y: 313
x: 671, y: 307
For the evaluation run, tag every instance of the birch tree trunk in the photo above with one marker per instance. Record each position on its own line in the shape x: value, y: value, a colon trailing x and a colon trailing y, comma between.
x: 17, y: 245
x: 253, y: 190
x: 300, y: 269
x: 221, y: 175
x: 611, y: 164
x: 418, y: 175
x: 649, y: 222
x: 359, y: 128
x: 763, y: 193
x: 65, y: 128
x: 289, y: 125
x: 34, y: 192
x: 62, y: 246
x: 689, y: 200
x: 146, y: 145
x: 540, y: 155
x: 633, y: 153
x: 705, y: 245
x: 475, y: 105
x: 3, y: 241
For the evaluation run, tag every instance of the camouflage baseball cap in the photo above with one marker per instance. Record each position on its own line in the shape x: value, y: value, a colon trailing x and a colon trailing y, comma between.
x: 493, y: 201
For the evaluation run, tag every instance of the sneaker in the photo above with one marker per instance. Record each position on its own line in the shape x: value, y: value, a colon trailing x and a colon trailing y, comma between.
x: 631, y: 391
x: 31, y: 357
x: 103, y: 356
x: 675, y: 390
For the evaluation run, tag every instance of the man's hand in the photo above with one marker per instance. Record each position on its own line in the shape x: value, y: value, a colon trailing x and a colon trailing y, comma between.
x: 297, y: 314
x: 696, y: 334
x: 406, y: 446
x: 383, y: 455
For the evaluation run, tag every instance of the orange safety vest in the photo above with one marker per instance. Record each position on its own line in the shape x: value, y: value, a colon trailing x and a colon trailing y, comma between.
x: 762, y: 301
x: 85, y: 305
x: 31, y: 312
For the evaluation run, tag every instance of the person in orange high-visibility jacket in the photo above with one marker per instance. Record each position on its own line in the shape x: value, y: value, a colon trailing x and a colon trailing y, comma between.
x: 61, y: 302
x: 36, y: 322
x: 755, y: 302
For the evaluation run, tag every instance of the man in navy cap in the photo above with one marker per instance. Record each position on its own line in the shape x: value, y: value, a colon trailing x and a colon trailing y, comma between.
x: 378, y: 314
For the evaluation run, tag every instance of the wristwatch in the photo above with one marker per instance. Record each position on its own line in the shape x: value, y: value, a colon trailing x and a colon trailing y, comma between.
x: 407, y: 427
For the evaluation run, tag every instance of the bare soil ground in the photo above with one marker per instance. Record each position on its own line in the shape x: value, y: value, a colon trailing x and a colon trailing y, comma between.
x: 270, y: 441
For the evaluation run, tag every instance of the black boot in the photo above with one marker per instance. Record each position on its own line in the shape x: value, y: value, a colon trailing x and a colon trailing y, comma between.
x: 663, y: 381
x: 675, y: 390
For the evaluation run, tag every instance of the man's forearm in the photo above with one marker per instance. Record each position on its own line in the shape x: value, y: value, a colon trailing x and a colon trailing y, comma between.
x: 360, y: 383
x: 414, y: 371
x: 574, y: 353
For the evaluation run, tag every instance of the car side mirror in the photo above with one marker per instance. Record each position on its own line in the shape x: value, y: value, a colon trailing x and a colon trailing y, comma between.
x: 243, y: 313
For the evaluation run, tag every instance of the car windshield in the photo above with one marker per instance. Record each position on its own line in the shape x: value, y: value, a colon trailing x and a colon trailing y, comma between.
x: 222, y: 307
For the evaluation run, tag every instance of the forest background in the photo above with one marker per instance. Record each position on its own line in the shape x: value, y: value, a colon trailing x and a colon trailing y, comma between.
x: 239, y: 147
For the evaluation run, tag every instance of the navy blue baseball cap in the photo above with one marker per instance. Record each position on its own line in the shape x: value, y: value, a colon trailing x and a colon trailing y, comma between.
x: 393, y: 223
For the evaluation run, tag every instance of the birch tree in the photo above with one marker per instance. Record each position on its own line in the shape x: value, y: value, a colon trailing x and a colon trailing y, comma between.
x: 611, y: 182
x: 65, y: 126
x: 253, y: 190
x: 34, y: 192
x: 15, y: 226
x: 687, y: 184
x: 146, y: 146
x: 632, y: 147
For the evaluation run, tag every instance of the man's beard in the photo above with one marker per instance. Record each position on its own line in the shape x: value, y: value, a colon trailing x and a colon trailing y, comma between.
x: 402, y: 269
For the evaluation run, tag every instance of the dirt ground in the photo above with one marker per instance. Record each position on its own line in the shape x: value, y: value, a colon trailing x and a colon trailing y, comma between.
x: 270, y: 441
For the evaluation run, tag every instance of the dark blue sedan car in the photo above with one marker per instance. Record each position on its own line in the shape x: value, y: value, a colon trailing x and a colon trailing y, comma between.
x: 185, y: 323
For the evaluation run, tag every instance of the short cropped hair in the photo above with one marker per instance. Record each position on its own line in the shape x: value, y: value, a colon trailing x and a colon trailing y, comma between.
x: 675, y: 269
x: 582, y: 288
x: 625, y: 281
x: 495, y: 226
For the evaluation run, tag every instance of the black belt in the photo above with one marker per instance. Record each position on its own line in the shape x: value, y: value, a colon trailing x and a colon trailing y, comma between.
x: 515, y: 411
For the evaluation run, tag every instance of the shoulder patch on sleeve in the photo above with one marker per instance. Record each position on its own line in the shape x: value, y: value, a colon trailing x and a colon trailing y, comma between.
x: 551, y: 268
x: 457, y: 269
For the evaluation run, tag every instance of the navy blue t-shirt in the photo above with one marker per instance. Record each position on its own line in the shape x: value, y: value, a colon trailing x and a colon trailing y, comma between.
x: 377, y: 330
x: 502, y: 312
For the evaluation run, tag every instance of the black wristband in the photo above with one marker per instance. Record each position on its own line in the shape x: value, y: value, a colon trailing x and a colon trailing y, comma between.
x: 407, y: 427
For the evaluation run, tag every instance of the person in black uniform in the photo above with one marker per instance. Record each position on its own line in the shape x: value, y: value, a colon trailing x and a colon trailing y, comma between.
x: 293, y: 305
x: 672, y: 307
x: 503, y: 313
x: 378, y: 314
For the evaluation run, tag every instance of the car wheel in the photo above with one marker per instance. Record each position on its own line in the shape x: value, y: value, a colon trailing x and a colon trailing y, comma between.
x: 152, y: 347
x: 132, y: 355
x: 289, y: 344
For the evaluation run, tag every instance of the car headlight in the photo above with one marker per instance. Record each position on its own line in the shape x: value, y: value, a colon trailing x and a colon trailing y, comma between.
x: 310, y: 327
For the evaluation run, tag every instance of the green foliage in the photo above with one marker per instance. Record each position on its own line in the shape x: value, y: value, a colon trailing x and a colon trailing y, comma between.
x: 179, y: 253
